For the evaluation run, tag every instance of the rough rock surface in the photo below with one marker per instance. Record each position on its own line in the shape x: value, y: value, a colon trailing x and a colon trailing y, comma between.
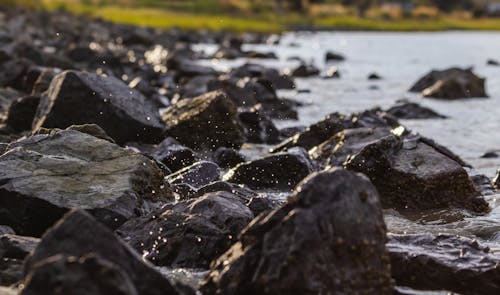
x: 79, y: 234
x: 44, y: 175
x: 280, y: 171
x: 329, y: 236
x: 21, y: 113
x: 81, y: 98
x: 190, y: 233
x: 205, y: 122
x: 452, y: 83
x: 197, y: 175
x: 409, y: 110
x: 444, y: 262
x: 409, y: 174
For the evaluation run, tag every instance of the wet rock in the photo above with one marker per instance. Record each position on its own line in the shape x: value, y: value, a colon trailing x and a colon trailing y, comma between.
x: 4, y: 229
x: 262, y: 204
x: 291, y: 131
x: 242, y: 192
x: 79, y: 234
x: 409, y: 110
x: 490, y: 155
x: 91, y: 129
x: 12, y: 73
x: 452, y: 83
x: 45, y: 175
x: 493, y: 62
x: 332, y: 56
x: 330, y: 235
x: 228, y: 157
x: 190, y: 233
x: 13, y: 251
x: 483, y: 184
x: 171, y: 153
x: 280, y: 171
x: 89, y: 274
x: 258, y: 127
x: 196, y: 175
x: 446, y: 262
x: 409, y: 174
x: 187, y: 68
x: 21, y: 113
x: 205, y: 122
x: 374, y: 76
x: 278, y: 81
x: 42, y: 83
x: 304, y: 70
x: 81, y: 98
x: 496, y: 180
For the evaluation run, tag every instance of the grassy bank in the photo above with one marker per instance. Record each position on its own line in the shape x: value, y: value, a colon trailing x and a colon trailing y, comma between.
x: 214, y: 18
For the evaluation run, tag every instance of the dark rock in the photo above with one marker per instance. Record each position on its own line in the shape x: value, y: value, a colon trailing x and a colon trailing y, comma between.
x: 89, y: 274
x: 228, y: 157
x: 21, y: 113
x: 493, y: 62
x: 43, y: 176
x: 17, y: 247
x: 11, y: 271
x: 171, y: 153
x: 332, y: 56
x: 78, y: 234
x: 12, y: 73
x: 197, y: 86
x: 291, y: 131
x: 4, y: 229
x: 446, y: 262
x: 305, y: 70
x: 262, y: 204
x: 490, y: 155
x: 483, y: 184
x: 243, y: 193
x: 187, y: 68
x: 278, y: 81
x: 258, y: 127
x: 408, y: 110
x: 184, y: 190
x: 280, y: 171
x: 330, y: 235
x: 205, y: 122
x: 81, y: 98
x: 190, y: 233
x: 42, y: 83
x: 409, y: 174
x: 91, y: 129
x: 374, y: 76
x: 451, y: 84
x: 196, y: 175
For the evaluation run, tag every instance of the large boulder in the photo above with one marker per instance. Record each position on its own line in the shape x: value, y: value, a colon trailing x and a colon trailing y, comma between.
x: 44, y: 175
x: 208, y: 121
x: 190, y: 233
x: 444, y: 262
x: 280, y: 171
x: 80, y: 97
x: 78, y: 234
x: 452, y: 83
x: 410, y: 174
x: 330, y: 235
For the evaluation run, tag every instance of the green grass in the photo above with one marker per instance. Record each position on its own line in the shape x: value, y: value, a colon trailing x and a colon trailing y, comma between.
x: 207, y: 14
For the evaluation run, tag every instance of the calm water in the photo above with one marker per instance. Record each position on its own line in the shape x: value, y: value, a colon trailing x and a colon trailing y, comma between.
x: 401, y: 58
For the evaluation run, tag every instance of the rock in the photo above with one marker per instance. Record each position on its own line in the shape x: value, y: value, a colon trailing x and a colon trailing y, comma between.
x: 490, y: 155
x: 81, y: 98
x: 452, y: 83
x: 332, y: 72
x: 4, y: 229
x: 483, y: 184
x: 332, y: 56
x: 243, y: 193
x: 171, y: 153
x: 374, y: 76
x: 21, y: 113
x: 79, y: 234
x: 228, y: 157
x: 304, y: 70
x: 91, y: 129
x: 493, y: 62
x: 278, y: 81
x: 190, y: 233
x: 330, y: 235
x: 280, y: 171
x: 496, y: 180
x: 42, y: 83
x: 89, y: 274
x: 409, y: 110
x: 205, y: 122
x: 258, y: 127
x: 196, y: 175
x: 291, y: 131
x: 13, y: 251
x: 187, y: 68
x: 12, y: 73
x: 438, y: 262
x: 45, y: 175
x: 262, y: 204
x: 409, y: 174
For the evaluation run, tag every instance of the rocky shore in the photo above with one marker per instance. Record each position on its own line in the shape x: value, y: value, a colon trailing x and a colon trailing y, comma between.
x: 125, y: 169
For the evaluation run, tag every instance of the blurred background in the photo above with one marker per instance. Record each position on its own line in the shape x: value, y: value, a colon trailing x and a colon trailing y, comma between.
x: 280, y: 15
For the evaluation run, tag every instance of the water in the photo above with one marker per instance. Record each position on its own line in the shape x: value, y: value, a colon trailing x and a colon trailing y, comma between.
x: 401, y: 59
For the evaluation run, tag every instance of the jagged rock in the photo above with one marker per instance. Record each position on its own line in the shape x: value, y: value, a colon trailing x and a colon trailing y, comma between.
x: 278, y: 81
x: 197, y: 175
x: 496, y: 180
x: 205, y: 122
x: 332, y: 56
x: 278, y: 171
x: 243, y: 193
x: 79, y: 234
x: 330, y: 235
x: 228, y: 157
x: 21, y: 113
x: 452, y: 83
x: 44, y: 175
x: 304, y: 70
x: 446, y: 262
x: 410, y: 174
x: 80, y: 98
x: 190, y: 233
x: 171, y: 153
x: 408, y: 110
x: 483, y: 185
x: 258, y: 127
x: 13, y: 251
